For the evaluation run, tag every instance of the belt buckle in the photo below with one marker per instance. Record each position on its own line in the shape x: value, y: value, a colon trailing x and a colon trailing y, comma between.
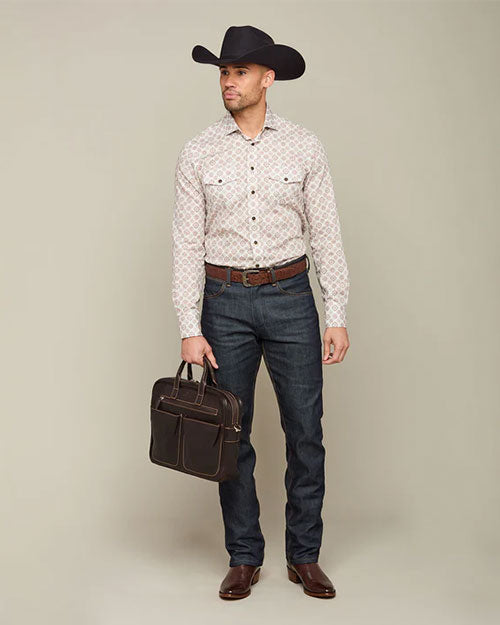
x: 244, y: 275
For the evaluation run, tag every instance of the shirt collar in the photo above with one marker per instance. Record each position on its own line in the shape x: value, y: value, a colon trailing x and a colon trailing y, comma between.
x: 228, y: 123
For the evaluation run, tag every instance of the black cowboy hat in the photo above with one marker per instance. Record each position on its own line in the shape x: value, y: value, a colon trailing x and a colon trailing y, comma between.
x: 247, y: 43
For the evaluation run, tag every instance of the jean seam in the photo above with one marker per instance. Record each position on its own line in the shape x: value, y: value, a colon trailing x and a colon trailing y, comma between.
x: 276, y: 390
x: 253, y: 391
x: 291, y: 293
x: 282, y: 290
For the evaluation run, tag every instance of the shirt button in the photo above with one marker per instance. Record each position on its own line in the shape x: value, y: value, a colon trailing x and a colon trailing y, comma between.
x: 252, y: 191
x: 253, y: 217
x: 251, y: 166
x: 220, y: 180
x: 253, y: 144
x: 285, y: 179
x: 257, y: 265
x: 255, y: 242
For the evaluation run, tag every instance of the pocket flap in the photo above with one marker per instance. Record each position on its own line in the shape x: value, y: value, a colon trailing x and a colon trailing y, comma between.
x: 219, y: 178
x: 287, y: 174
x: 200, y: 432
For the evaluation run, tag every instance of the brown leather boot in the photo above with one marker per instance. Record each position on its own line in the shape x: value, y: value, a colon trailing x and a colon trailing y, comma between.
x: 314, y: 581
x: 239, y: 579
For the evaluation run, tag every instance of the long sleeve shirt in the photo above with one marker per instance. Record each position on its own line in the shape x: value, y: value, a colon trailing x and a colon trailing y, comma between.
x: 247, y: 203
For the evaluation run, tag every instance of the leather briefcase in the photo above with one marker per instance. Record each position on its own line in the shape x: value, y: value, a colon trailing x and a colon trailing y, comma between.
x: 195, y: 426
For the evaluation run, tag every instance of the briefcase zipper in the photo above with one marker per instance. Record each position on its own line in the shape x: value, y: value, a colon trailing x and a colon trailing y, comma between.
x: 181, y: 403
x: 235, y: 426
x: 232, y: 400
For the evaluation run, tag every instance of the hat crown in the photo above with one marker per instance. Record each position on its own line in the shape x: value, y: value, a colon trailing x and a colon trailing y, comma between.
x: 241, y: 39
x: 250, y: 44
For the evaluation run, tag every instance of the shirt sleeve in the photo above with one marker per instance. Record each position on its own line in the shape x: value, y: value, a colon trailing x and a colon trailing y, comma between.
x: 188, y: 246
x: 325, y: 237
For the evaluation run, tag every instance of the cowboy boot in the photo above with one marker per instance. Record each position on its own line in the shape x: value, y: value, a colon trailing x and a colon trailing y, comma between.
x: 314, y: 581
x: 239, y: 579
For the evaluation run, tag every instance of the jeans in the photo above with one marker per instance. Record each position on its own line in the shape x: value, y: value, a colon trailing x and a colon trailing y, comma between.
x: 279, y: 322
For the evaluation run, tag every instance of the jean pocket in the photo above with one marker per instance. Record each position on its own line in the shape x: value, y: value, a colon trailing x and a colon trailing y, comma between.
x: 213, y: 287
x: 296, y: 285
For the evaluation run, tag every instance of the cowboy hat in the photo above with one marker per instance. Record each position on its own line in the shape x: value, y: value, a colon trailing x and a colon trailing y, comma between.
x: 247, y: 43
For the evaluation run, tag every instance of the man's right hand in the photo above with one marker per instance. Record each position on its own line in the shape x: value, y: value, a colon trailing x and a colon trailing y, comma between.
x: 193, y: 349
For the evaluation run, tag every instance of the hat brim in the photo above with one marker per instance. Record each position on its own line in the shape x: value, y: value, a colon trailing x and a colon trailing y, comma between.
x: 286, y: 62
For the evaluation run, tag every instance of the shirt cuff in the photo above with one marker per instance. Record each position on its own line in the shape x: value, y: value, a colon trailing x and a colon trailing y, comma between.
x: 335, y: 315
x: 189, y: 324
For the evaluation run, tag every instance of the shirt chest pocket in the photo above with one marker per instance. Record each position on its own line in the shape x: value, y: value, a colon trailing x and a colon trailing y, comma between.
x: 222, y: 187
x: 284, y: 184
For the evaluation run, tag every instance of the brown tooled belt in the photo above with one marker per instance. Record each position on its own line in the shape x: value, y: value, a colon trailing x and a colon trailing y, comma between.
x: 252, y: 277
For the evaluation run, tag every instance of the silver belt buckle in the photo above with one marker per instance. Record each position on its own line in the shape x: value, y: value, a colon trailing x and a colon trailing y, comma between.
x: 244, y: 274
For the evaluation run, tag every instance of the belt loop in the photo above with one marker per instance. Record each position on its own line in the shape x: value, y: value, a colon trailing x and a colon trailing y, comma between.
x: 273, y: 276
x: 228, y: 276
x: 308, y: 263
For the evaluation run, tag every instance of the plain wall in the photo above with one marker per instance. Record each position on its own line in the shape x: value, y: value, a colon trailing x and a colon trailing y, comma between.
x: 97, y: 100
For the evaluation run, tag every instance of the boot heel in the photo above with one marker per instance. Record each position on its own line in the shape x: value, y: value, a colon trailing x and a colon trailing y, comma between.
x: 256, y: 577
x: 292, y: 576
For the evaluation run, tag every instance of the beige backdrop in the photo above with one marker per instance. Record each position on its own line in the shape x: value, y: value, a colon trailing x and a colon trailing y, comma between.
x: 97, y: 99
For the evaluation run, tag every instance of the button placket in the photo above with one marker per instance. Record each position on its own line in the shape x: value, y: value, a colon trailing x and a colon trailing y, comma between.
x: 252, y: 214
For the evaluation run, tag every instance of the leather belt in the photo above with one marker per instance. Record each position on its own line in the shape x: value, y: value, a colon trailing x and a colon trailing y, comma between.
x: 254, y: 276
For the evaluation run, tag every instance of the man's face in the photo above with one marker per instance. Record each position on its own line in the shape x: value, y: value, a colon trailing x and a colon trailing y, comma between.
x: 243, y: 84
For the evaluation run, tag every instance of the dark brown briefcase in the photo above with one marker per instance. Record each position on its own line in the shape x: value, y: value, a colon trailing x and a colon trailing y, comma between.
x: 195, y: 426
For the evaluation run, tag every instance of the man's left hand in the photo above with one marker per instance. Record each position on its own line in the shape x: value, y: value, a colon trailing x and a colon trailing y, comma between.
x: 340, y: 341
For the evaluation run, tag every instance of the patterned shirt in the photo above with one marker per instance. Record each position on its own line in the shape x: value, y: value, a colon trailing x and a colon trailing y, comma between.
x: 247, y: 203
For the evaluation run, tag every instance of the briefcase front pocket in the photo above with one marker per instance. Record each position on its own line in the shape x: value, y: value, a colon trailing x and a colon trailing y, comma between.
x: 201, y: 446
x: 165, y: 437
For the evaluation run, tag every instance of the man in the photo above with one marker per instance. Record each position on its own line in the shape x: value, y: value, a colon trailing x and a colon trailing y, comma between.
x: 247, y: 189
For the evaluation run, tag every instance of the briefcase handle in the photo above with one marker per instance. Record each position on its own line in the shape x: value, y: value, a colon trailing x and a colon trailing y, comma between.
x: 179, y: 372
x: 207, y: 369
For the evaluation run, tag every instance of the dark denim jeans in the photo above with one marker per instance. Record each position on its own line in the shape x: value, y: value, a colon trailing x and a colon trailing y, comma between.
x: 280, y: 323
